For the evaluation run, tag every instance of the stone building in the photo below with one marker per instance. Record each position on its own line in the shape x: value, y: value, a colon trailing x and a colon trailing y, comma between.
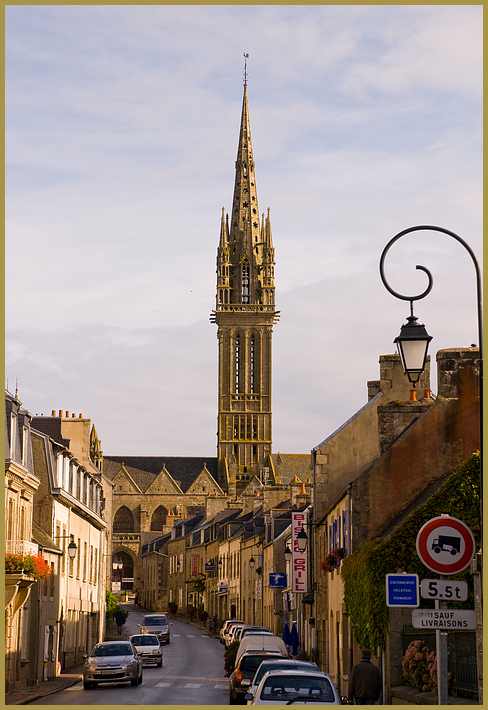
x: 419, y: 443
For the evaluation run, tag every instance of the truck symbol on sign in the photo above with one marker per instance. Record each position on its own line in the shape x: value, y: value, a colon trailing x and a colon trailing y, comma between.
x: 446, y: 543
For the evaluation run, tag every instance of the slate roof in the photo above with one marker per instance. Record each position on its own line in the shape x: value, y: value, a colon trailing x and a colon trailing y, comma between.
x: 292, y: 465
x: 144, y: 469
x: 42, y: 538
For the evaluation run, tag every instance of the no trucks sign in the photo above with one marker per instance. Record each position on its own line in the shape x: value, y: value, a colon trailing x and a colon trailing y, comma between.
x: 445, y: 545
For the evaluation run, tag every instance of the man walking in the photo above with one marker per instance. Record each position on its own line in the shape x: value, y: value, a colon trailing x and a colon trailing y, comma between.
x: 365, y: 681
x: 119, y: 620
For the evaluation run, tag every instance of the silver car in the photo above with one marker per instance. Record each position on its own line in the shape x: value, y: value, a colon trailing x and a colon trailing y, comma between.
x: 149, y: 648
x: 156, y: 624
x: 285, y: 687
x: 112, y: 662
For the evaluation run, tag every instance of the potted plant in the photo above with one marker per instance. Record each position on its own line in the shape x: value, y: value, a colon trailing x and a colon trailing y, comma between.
x: 31, y: 565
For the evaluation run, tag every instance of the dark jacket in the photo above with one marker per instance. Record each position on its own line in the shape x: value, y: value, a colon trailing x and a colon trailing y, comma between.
x: 120, y: 617
x: 365, y: 681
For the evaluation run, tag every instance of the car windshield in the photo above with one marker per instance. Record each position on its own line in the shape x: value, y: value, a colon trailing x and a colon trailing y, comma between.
x: 154, y: 621
x: 145, y: 640
x: 119, y: 649
x: 290, y: 686
x: 255, y: 629
x: 282, y: 666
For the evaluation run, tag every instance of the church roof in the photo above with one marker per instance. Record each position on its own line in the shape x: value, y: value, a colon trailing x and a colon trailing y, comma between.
x: 144, y: 469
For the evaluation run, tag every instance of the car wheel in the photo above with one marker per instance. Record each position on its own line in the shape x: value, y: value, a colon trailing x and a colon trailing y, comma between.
x: 134, y: 682
x: 167, y: 641
x: 87, y: 685
x: 160, y: 663
x: 232, y: 700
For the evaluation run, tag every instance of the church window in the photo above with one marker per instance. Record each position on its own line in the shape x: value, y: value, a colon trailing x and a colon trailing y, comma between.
x: 123, y: 521
x: 245, y: 204
x: 253, y: 198
x: 254, y: 210
x: 158, y: 519
x: 244, y: 189
x: 237, y: 356
x: 252, y: 363
x: 245, y: 282
x: 255, y: 225
x: 248, y: 428
x: 254, y: 429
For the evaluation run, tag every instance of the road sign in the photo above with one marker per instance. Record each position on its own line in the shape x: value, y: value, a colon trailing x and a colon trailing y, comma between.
x: 445, y: 545
x: 451, y: 590
x: 402, y: 590
x: 444, y: 619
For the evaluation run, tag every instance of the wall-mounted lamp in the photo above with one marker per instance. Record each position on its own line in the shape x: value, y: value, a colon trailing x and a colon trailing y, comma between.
x: 288, y: 554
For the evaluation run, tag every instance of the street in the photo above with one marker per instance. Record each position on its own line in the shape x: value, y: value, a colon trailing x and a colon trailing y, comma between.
x: 192, y: 674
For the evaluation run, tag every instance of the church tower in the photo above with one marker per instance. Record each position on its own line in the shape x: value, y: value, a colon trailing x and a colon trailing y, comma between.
x: 245, y: 313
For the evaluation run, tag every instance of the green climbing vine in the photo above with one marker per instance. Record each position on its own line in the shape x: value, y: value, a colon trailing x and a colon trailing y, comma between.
x: 364, y: 571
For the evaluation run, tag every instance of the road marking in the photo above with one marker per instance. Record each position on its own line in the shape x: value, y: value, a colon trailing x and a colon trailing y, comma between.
x: 205, y: 636
x: 176, y: 635
x: 190, y: 636
x: 163, y: 685
x: 191, y: 677
x: 221, y: 687
x: 193, y: 685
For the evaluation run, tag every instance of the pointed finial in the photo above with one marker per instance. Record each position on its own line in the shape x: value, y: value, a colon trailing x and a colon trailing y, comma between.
x: 246, y: 57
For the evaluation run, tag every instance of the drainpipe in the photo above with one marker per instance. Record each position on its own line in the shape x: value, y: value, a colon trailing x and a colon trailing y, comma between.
x: 349, y: 535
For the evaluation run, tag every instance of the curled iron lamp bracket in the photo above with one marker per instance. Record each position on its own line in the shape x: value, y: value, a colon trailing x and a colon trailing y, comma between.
x: 429, y: 275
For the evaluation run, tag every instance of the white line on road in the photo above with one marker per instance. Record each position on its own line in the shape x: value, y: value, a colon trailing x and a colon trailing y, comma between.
x: 163, y: 685
x: 193, y: 685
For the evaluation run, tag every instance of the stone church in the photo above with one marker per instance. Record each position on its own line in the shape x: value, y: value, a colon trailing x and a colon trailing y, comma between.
x: 150, y: 493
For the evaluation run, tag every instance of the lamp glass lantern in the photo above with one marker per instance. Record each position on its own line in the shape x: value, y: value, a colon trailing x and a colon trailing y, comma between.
x: 72, y: 548
x: 302, y: 540
x: 413, y: 343
x: 288, y: 554
x: 252, y: 563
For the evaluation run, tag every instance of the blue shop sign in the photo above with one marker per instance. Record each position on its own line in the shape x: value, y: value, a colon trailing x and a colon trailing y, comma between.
x: 277, y: 580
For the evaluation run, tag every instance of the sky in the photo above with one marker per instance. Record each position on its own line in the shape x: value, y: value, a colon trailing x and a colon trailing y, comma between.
x: 122, y: 125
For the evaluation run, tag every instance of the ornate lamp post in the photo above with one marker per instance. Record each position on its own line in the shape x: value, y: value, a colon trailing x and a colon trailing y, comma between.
x: 412, y: 344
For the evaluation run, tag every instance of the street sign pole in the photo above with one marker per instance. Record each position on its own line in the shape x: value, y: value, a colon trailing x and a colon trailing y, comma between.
x: 441, y: 652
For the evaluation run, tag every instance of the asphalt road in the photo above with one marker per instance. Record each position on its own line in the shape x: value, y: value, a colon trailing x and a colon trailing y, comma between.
x: 192, y: 674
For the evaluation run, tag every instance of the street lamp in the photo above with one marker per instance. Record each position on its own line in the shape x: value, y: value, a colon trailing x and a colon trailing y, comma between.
x: 72, y: 550
x: 117, y: 563
x: 252, y: 563
x: 412, y: 345
x: 302, y: 540
x: 288, y: 554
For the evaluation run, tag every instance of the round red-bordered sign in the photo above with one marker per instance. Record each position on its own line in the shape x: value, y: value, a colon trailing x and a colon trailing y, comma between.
x: 445, y: 545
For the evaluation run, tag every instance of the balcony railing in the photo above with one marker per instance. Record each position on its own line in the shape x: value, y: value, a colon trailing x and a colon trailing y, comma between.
x: 21, y: 547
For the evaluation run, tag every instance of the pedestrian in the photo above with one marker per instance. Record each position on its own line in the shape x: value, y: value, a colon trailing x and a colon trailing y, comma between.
x: 365, y: 681
x: 136, y: 599
x: 119, y: 620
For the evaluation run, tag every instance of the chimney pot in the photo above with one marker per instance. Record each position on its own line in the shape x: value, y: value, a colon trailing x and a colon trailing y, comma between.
x: 426, y: 394
x: 53, y: 413
x: 60, y: 412
x: 413, y: 396
x: 73, y: 415
x: 67, y: 414
x: 81, y: 415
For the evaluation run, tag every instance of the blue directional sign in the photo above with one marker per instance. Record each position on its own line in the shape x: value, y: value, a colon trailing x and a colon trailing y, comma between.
x: 277, y: 580
x: 402, y: 590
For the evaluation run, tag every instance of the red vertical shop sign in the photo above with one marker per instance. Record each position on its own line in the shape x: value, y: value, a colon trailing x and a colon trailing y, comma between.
x: 299, y: 560
x: 194, y: 565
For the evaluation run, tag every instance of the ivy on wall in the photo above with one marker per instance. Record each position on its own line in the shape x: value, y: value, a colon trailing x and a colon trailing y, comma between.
x: 364, y: 572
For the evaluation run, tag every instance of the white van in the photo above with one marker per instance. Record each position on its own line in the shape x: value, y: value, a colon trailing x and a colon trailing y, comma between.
x: 261, y: 642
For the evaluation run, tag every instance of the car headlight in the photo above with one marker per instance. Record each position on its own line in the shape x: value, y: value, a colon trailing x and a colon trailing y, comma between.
x: 156, y: 651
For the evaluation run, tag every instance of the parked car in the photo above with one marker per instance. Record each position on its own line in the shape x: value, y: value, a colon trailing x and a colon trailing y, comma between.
x: 156, y: 624
x: 149, y: 648
x: 112, y: 662
x: 243, y: 673
x: 226, y: 626
x: 279, y: 664
x: 231, y: 633
x: 241, y: 631
x: 288, y: 687
x: 253, y: 643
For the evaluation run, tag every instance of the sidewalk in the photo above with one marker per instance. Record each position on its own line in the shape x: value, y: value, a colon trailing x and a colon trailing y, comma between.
x: 70, y: 677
